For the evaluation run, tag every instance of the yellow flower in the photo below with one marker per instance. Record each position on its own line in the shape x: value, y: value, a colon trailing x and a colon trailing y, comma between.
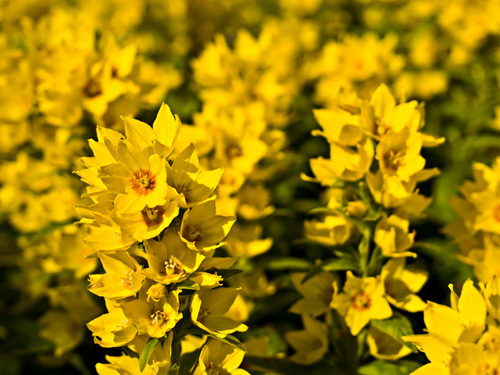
x: 254, y: 202
x: 156, y: 317
x: 391, y: 191
x: 195, y: 187
x: 361, y: 301
x: 432, y: 369
x: 345, y: 163
x: 150, y: 221
x: 123, y: 277
x: 451, y: 328
x: 62, y: 330
x: 492, y: 297
x: 112, y: 330
x: 124, y: 365
x: 391, y: 234
x: 139, y: 179
x: 311, y: 343
x: 317, y: 293
x: 170, y: 260
x: 399, y: 154
x: 217, y: 357
x: 401, y: 283
x: 381, y: 116
x: 160, y: 138
x: 244, y: 241
x: 474, y: 359
x: 203, y: 230
x: 472, y: 308
x: 333, y: 229
x: 339, y: 127
x: 208, y: 309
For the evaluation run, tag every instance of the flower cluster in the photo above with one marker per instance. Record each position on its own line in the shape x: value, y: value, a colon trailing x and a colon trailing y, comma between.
x: 153, y: 224
x: 61, y: 68
x: 372, y: 174
x: 478, y: 228
x: 326, y: 274
x: 463, y: 338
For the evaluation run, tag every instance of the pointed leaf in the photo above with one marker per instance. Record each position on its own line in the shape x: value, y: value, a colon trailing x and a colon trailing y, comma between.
x: 188, y: 285
x: 229, y: 339
x: 146, y: 352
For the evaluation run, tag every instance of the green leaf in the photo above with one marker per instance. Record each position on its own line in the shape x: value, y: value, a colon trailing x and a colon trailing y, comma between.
x: 286, y: 367
x: 396, y: 326
x: 188, y: 361
x: 287, y: 263
x: 188, y: 285
x: 229, y: 339
x: 146, y: 352
x: 400, y: 367
x: 346, y: 262
x: 228, y: 273
x: 320, y: 210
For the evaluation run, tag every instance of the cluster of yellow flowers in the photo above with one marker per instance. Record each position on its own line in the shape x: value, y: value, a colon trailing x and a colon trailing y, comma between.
x: 157, y: 236
x: 247, y: 93
x: 60, y: 70
x: 464, y: 338
x: 478, y: 228
x: 372, y: 174
x: 152, y: 221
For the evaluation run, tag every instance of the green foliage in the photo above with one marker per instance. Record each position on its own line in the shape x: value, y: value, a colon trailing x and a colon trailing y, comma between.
x: 147, y: 351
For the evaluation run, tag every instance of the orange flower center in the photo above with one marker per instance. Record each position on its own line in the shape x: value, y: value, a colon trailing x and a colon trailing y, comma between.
x: 392, y: 160
x: 381, y: 127
x: 153, y: 216
x: 173, y: 267
x: 93, y: 88
x: 361, y: 301
x: 159, y: 318
x: 233, y: 151
x: 127, y: 281
x: 143, y: 182
x: 496, y: 213
x: 487, y: 370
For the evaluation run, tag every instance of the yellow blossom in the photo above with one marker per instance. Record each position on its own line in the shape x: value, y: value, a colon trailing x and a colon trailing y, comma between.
x: 217, y: 357
x: 202, y: 230
x: 170, y: 260
x: 156, y: 317
x: 311, y: 343
x: 208, y: 308
x: 361, y: 301
x: 123, y: 277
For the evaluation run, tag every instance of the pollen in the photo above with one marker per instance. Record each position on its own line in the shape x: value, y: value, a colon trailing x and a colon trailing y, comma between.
x: 361, y: 301
x: 127, y: 281
x: 159, y: 318
x: 143, y: 182
x: 173, y: 267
